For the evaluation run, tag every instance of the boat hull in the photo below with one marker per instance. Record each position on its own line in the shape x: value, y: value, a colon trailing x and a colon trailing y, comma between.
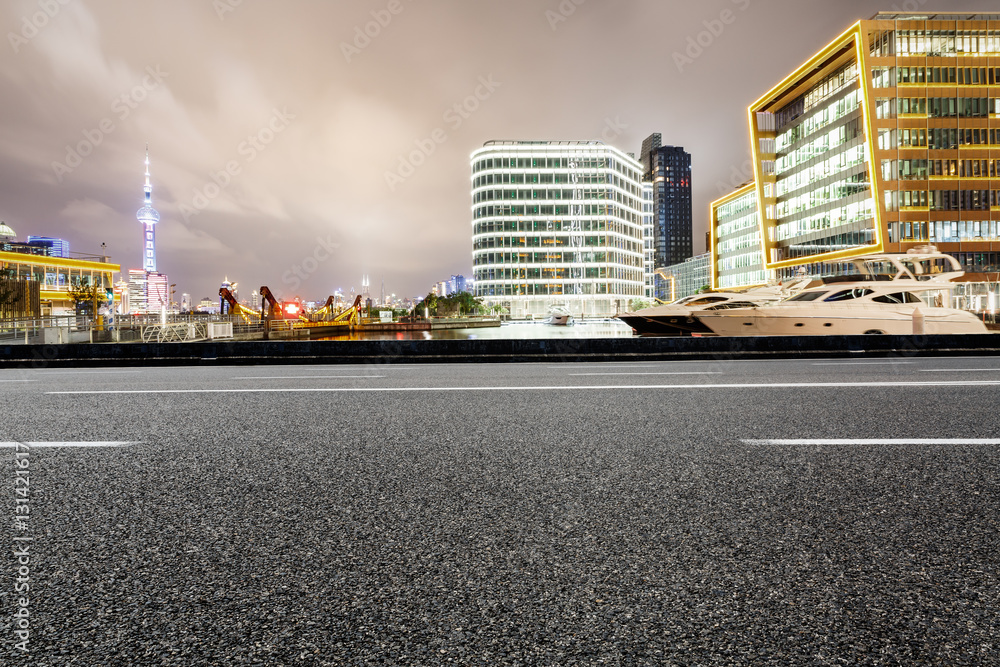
x: 838, y: 321
x: 676, y: 325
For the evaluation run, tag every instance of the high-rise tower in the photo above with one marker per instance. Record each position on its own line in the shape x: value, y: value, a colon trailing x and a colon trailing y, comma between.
x: 148, y: 216
x: 668, y: 168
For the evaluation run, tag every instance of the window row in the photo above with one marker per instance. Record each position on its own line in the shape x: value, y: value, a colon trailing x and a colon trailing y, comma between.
x: 942, y: 200
x: 938, y: 138
x: 855, y: 213
x: 942, y: 42
x: 509, y: 211
x: 833, y: 243
x: 836, y: 163
x: 744, y: 261
x: 954, y: 231
x: 820, y: 145
x: 488, y: 242
x: 888, y: 77
x: 550, y: 257
x: 573, y: 163
x: 749, y: 221
x: 556, y: 289
x: 817, y: 120
x: 918, y: 170
x: 856, y: 185
x: 937, y: 107
x: 580, y: 193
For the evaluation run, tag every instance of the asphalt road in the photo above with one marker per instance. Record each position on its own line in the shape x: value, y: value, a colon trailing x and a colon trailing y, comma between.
x: 523, y: 514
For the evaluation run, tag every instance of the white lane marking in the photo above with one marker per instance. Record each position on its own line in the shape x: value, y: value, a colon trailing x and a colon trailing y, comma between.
x: 71, y: 443
x: 18, y: 380
x: 777, y: 385
x: 612, y: 366
x: 303, y: 377
x: 859, y: 363
x: 82, y: 372
x: 656, y: 373
x: 876, y: 441
x: 960, y: 370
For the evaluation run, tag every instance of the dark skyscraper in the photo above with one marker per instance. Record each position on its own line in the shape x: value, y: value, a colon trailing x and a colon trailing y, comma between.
x: 668, y: 168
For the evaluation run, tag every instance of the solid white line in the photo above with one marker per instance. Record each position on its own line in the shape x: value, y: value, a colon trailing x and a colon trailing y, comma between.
x: 304, y: 377
x: 781, y: 385
x: 656, y: 373
x: 878, y: 441
x: 18, y: 380
x: 68, y: 444
x: 960, y: 370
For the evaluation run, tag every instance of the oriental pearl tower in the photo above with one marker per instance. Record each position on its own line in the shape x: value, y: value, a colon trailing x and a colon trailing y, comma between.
x: 148, y: 216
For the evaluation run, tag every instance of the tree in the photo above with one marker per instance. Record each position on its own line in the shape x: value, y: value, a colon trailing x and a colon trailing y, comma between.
x: 87, y: 298
x: 639, y: 304
x: 10, y: 296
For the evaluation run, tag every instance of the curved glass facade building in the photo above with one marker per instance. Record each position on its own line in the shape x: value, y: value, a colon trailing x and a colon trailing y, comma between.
x: 557, y: 224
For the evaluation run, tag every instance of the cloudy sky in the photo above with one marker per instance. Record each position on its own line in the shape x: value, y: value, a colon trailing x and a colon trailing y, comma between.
x: 282, y: 135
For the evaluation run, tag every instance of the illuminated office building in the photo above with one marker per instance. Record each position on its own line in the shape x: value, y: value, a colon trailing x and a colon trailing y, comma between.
x: 557, y: 224
x: 888, y: 138
x: 737, y: 256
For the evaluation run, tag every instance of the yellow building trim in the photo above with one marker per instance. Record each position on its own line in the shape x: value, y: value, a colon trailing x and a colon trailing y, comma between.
x: 852, y: 34
x: 57, y: 262
x: 713, y: 223
x: 827, y: 257
x: 876, y: 183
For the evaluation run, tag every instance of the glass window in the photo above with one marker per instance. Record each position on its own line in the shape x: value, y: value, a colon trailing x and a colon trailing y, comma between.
x: 846, y: 295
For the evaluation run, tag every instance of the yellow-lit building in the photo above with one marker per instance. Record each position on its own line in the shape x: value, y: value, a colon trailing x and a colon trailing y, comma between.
x: 56, y: 275
x: 886, y: 139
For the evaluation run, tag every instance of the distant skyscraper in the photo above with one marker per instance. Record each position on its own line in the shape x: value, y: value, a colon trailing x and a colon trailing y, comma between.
x: 148, y: 216
x: 668, y: 168
x: 56, y: 247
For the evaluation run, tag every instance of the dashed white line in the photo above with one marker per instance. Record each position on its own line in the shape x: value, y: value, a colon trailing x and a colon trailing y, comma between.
x: 960, y: 370
x: 859, y: 363
x: 655, y: 373
x: 304, y: 377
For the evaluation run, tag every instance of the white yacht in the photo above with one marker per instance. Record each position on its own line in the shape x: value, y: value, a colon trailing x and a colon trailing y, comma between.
x: 848, y: 308
x: 678, y: 317
x: 883, y: 297
x: 560, y: 316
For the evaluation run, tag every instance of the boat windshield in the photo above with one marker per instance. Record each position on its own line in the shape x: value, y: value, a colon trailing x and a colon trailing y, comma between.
x: 806, y: 296
x: 847, y: 294
x: 706, y: 300
x: 897, y: 298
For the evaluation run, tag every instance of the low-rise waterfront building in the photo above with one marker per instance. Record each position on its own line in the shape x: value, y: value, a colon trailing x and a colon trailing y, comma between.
x: 689, y: 277
x: 55, y: 275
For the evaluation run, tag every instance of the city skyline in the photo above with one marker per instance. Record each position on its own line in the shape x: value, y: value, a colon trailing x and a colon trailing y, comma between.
x: 304, y: 146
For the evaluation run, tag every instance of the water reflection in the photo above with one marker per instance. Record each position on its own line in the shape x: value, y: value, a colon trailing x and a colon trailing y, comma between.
x: 507, y: 331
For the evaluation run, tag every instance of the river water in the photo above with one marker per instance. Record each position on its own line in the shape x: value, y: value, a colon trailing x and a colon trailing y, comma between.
x: 506, y: 331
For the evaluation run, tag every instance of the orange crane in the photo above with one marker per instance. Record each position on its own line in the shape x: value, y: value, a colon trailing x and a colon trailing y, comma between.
x: 274, y: 310
x: 249, y: 316
x: 351, y: 315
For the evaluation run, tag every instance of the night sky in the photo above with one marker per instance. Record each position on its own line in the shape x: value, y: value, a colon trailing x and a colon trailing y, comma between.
x: 303, y: 144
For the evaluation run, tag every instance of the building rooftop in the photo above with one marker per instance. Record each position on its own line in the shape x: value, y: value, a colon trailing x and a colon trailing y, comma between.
x: 935, y: 16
